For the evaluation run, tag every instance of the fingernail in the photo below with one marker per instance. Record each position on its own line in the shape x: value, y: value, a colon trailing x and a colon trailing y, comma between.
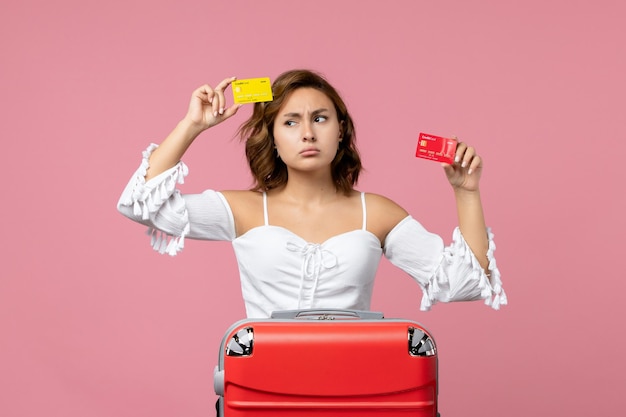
x: 457, y: 159
x: 469, y: 171
x: 464, y: 164
x: 215, y: 114
x: 222, y: 110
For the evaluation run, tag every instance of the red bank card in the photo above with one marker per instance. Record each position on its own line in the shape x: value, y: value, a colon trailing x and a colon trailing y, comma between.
x: 436, y: 148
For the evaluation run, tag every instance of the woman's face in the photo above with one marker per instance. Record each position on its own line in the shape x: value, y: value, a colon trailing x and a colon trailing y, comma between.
x: 307, y: 131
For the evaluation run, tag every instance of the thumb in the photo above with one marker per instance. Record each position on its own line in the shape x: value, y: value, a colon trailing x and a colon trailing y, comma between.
x: 232, y: 110
x: 448, y: 169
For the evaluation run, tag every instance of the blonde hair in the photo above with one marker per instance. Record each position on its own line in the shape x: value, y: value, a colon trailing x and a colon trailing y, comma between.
x: 267, y: 169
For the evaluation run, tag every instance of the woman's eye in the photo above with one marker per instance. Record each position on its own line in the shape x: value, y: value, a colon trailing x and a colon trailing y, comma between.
x: 320, y: 119
x: 290, y: 123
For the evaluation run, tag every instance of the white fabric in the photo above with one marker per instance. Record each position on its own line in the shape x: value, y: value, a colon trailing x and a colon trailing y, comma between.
x: 279, y: 270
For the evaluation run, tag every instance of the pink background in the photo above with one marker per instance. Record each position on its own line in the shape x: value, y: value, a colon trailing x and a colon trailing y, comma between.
x: 94, y: 323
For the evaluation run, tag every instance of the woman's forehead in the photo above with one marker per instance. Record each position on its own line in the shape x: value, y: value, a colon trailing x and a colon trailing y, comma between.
x: 306, y: 98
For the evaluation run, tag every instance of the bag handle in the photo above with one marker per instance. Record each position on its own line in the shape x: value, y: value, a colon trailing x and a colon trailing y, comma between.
x: 327, y: 314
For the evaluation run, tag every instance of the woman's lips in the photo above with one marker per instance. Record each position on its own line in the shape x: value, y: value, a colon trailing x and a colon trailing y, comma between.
x: 309, y: 152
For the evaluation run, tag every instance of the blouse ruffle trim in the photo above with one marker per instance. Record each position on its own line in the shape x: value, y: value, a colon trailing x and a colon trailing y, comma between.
x: 148, y: 197
x: 490, y: 285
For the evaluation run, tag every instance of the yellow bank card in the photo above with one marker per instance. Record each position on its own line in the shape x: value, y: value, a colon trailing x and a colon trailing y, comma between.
x: 252, y: 90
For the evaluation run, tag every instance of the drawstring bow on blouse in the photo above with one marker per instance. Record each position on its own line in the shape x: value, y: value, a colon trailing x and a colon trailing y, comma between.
x: 314, y: 259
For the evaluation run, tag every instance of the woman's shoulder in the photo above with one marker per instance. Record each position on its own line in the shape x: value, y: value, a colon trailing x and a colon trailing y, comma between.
x: 244, y: 200
x: 238, y: 195
x: 378, y: 202
x: 247, y: 208
x: 383, y: 214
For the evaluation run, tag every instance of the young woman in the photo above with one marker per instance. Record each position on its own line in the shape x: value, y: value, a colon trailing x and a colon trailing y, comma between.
x: 303, y: 236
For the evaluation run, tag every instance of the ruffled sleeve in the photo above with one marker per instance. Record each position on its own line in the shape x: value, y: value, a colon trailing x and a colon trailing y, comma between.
x: 445, y: 274
x: 170, y: 215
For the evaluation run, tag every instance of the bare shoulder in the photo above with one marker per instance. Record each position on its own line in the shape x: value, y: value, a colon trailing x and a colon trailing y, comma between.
x: 237, y: 197
x: 383, y: 214
x: 247, y: 208
x: 379, y: 204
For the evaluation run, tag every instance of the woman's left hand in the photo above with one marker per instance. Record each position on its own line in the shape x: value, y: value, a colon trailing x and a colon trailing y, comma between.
x: 464, y: 174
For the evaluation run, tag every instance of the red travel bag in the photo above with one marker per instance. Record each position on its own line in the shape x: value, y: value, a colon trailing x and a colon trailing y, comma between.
x: 327, y: 362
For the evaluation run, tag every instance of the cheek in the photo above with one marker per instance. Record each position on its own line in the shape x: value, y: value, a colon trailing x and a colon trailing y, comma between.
x: 277, y: 135
x: 281, y: 139
x: 285, y: 136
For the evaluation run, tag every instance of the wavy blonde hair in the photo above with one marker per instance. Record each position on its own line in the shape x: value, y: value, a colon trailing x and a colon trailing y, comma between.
x: 267, y: 169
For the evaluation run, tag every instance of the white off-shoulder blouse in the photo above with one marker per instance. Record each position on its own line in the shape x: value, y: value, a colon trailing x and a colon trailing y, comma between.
x: 281, y: 271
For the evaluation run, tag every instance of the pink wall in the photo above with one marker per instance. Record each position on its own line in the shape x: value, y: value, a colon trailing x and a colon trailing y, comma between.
x: 93, y: 323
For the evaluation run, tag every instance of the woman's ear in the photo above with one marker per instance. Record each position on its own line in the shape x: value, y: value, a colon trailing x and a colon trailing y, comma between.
x: 341, y: 125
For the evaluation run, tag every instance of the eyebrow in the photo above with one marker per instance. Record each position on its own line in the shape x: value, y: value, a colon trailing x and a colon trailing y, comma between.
x: 313, y: 113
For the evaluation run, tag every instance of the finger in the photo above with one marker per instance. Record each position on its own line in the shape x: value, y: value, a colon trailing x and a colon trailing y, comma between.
x: 232, y: 110
x: 222, y: 102
x: 219, y: 101
x: 476, y: 163
x: 448, y: 169
x: 225, y: 83
x: 460, y: 151
x: 210, y: 95
x: 204, y: 93
x: 469, y: 153
x: 215, y: 105
x: 220, y: 88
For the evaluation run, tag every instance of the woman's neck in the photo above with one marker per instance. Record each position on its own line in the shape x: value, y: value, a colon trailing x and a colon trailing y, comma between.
x: 308, y: 188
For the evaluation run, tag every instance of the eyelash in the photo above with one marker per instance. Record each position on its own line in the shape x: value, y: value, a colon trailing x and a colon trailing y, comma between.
x: 316, y: 119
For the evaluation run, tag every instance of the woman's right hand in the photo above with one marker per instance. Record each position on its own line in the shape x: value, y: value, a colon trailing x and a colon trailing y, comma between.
x: 207, y: 107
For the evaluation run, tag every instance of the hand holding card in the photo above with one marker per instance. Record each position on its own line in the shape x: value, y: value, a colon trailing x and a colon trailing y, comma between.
x: 436, y: 148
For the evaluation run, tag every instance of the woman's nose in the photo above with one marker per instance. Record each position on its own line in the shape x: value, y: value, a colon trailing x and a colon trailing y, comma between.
x: 307, y: 134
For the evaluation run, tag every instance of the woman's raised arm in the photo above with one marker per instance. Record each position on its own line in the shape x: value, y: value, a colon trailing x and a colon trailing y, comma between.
x: 207, y: 108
